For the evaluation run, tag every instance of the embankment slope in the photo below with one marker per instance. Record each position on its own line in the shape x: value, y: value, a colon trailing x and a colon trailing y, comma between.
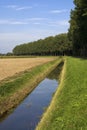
x: 68, y: 109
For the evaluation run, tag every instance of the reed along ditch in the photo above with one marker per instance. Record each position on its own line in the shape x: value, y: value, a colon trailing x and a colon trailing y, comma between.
x: 27, y: 114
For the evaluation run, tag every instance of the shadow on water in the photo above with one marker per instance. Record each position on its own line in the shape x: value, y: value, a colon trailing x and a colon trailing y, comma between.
x: 28, y: 113
x: 55, y: 74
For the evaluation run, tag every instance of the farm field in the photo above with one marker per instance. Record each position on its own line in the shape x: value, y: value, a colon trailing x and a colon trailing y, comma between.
x: 12, y: 66
x: 16, y: 88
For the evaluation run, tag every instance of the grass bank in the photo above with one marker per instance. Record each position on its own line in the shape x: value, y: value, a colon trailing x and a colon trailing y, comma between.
x: 15, y: 89
x: 68, y: 109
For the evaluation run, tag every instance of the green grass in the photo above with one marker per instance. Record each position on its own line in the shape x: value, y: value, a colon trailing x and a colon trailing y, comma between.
x: 15, y: 89
x: 68, y: 109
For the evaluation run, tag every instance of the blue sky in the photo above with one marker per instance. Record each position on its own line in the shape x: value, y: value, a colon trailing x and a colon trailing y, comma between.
x: 23, y: 21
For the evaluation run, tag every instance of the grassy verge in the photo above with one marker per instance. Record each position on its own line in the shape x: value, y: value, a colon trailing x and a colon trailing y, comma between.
x: 68, y: 109
x: 14, y: 90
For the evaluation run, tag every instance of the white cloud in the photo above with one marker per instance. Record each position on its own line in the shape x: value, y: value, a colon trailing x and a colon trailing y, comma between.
x: 23, y: 21
x: 37, y: 23
x: 13, y: 22
x: 18, y: 8
x: 58, y: 11
x: 59, y: 23
x: 23, y: 8
x: 11, y: 6
x: 36, y: 19
x: 64, y: 23
x: 18, y: 22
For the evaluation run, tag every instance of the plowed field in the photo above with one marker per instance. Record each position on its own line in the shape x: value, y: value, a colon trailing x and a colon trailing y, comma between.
x: 9, y: 67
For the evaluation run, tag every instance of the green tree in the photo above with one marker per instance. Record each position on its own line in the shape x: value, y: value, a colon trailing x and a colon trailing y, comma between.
x: 58, y: 45
x: 78, y: 28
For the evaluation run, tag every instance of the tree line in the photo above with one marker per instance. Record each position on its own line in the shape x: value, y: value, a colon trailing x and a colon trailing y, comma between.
x: 78, y: 28
x: 73, y: 43
x: 53, y: 45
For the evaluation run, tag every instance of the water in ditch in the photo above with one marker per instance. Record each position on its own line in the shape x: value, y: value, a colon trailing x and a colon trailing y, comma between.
x: 27, y: 115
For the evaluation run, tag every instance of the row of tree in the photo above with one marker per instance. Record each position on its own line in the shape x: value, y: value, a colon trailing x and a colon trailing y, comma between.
x: 58, y: 45
x: 78, y: 28
x: 73, y: 44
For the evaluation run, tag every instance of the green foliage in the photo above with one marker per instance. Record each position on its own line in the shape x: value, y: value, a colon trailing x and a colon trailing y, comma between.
x: 58, y: 45
x: 78, y: 28
x: 68, y: 109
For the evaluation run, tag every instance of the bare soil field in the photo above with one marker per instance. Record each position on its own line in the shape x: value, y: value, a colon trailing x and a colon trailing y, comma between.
x: 10, y: 67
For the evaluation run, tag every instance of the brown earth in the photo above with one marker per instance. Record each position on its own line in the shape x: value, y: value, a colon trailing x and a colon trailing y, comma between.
x: 10, y: 67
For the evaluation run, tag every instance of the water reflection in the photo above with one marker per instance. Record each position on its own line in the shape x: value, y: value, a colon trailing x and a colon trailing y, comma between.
x: 56, y: 72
